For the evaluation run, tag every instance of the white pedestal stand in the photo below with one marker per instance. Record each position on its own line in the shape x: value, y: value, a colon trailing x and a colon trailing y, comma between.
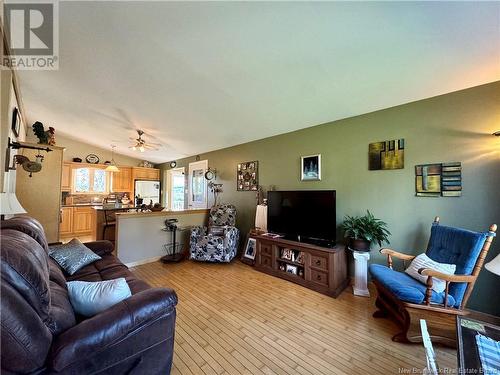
x: 361, y: 259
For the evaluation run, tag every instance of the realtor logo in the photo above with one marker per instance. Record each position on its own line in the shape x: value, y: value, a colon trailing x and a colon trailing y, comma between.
x: 32, y: 35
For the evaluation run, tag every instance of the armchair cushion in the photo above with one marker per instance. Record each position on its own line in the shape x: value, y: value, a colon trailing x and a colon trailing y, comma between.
x: 456, y: 246
x: 404, y: 287
x: 423, y: 261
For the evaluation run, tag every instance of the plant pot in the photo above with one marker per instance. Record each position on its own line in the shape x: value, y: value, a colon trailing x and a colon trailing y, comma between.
x: 359, y: 244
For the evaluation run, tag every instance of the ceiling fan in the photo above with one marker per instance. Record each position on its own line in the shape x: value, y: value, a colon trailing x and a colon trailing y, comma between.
x: 141, y: 144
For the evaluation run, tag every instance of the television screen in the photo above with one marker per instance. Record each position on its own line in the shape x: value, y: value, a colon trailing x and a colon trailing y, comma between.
x: 304, y: 215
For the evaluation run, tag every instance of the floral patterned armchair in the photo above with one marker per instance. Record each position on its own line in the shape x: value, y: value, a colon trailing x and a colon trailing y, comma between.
x: 220, y: 242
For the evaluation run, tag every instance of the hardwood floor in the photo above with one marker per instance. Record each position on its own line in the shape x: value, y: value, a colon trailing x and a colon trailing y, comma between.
x: 232, y: 319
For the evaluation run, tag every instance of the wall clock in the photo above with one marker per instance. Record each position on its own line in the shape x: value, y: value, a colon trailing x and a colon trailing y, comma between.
x: 173, y: 164
x: 92, y: 159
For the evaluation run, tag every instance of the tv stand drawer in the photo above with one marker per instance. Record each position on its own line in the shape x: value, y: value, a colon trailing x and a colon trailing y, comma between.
x: 319, y: 277
x: 319, y: 262
x: 266, y: 248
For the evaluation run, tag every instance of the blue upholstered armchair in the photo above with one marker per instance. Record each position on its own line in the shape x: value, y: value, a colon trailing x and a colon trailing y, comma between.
x: 407, y: 300
x: 220, y: 242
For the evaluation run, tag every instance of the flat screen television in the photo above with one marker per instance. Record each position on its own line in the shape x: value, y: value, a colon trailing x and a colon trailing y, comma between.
x: 303, y: 215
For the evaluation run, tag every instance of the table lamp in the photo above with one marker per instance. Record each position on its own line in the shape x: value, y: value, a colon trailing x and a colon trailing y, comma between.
x: 494, y: 265
x: 9, y: 205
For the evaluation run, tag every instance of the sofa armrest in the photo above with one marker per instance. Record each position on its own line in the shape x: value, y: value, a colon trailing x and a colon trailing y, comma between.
x: 114, y: 328
x: 101, y: 247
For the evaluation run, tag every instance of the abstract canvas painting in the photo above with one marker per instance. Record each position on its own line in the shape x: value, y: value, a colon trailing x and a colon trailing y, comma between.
x: 386, y: 155
x: 438, y: 180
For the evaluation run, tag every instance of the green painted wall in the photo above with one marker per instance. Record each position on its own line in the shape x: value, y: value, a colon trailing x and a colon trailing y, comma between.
x: 452, y: 127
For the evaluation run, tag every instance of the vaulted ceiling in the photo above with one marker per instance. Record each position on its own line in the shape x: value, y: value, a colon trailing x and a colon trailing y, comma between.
x: 199, y: 76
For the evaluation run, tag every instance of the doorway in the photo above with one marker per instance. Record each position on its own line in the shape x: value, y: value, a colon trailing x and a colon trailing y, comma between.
x: 197, y: 188
x: 176, y: 183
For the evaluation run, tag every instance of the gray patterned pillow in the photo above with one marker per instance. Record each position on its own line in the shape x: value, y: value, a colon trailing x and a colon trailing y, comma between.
x: 73, y: 255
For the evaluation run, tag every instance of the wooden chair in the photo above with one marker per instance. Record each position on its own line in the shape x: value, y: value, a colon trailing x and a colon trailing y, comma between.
x: 406, y: 300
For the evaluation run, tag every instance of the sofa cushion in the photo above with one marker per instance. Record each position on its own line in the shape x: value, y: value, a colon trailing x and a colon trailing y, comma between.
x: 24, y: 266
x: 73, y: 255
x: 61, y: 312
x: 404, y: 287
x: 29, y: 226
x: 109, y: 268
x: 91, y: 298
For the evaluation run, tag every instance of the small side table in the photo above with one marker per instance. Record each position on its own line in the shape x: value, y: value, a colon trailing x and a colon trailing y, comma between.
x: 361, y: 259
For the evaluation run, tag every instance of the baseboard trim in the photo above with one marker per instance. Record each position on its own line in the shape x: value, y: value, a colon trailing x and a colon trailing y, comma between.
x: 144, y: 261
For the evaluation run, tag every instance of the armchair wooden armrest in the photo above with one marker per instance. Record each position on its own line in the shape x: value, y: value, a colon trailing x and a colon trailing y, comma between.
x: 393, y: 253
x: 430, y: 273
x: 447, y: 277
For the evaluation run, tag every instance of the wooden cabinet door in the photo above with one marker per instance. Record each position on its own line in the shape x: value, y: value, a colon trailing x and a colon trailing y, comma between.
x: 153, y: 174
x: 122, y: 181
x: 140, y: 173
x: 66, y: 177
x: 66, y: 224
x: 82, y: 219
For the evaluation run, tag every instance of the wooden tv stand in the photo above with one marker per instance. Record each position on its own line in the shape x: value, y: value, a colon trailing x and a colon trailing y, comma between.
x: 323, y: 269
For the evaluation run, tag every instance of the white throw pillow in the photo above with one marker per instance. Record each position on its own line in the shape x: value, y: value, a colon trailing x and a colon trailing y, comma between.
x: 90, y: 298
x: 423, y: 261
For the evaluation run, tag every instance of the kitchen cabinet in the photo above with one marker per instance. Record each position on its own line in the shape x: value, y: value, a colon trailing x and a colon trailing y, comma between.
x: 66, y: 224
x: 83, y: 219
x: 122, y: 181
x: 139, y: 173
x: 66, y: 177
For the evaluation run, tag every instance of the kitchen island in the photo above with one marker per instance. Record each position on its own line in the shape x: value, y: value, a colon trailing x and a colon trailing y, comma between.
x: 140, y: 237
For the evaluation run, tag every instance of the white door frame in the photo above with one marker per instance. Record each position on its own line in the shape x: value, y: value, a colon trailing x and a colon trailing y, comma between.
x: 196, y: 166
x: 168, y: 190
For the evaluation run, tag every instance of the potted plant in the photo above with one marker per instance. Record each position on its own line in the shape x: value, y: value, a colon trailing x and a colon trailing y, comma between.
x: 362, y: 231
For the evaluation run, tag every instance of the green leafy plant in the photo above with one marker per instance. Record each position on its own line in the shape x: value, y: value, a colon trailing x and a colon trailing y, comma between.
x: 367, y: 228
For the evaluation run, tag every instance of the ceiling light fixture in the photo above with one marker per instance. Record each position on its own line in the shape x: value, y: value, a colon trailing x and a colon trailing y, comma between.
x: 141, y: 144
x: 112, y: 166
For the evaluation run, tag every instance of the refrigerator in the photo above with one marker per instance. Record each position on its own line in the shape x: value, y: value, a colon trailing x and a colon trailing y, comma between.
x: 147, y: 190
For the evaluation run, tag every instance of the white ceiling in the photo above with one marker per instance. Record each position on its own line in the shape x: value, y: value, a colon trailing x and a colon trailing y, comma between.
x: 203, y: 76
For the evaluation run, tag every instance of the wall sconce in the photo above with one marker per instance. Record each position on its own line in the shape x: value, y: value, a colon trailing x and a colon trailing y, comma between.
x: 497, y: 133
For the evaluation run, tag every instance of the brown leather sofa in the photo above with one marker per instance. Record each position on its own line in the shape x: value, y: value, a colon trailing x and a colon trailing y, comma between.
x: 40, y: 333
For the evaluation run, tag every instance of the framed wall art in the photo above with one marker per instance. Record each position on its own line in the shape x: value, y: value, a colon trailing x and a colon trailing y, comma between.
x: 310, y: 168
x: 386, y: 155
x: 438, y: 180
x: 16, y: 122
x: 247, y: 176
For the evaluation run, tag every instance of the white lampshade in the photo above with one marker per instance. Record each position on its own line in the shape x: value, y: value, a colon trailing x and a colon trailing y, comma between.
x: 494, y: 265
x: 9, y: 205
x: 261, y: 217
x: 112, y: 168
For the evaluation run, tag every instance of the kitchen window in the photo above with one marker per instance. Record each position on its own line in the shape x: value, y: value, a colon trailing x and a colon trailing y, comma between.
x: 90, y: 181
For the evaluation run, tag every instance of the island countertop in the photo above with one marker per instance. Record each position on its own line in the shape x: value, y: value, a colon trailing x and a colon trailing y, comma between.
x: 132, y: 214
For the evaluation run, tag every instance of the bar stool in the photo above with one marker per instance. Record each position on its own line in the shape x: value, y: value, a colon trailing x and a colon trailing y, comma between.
x: 109, y: 222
